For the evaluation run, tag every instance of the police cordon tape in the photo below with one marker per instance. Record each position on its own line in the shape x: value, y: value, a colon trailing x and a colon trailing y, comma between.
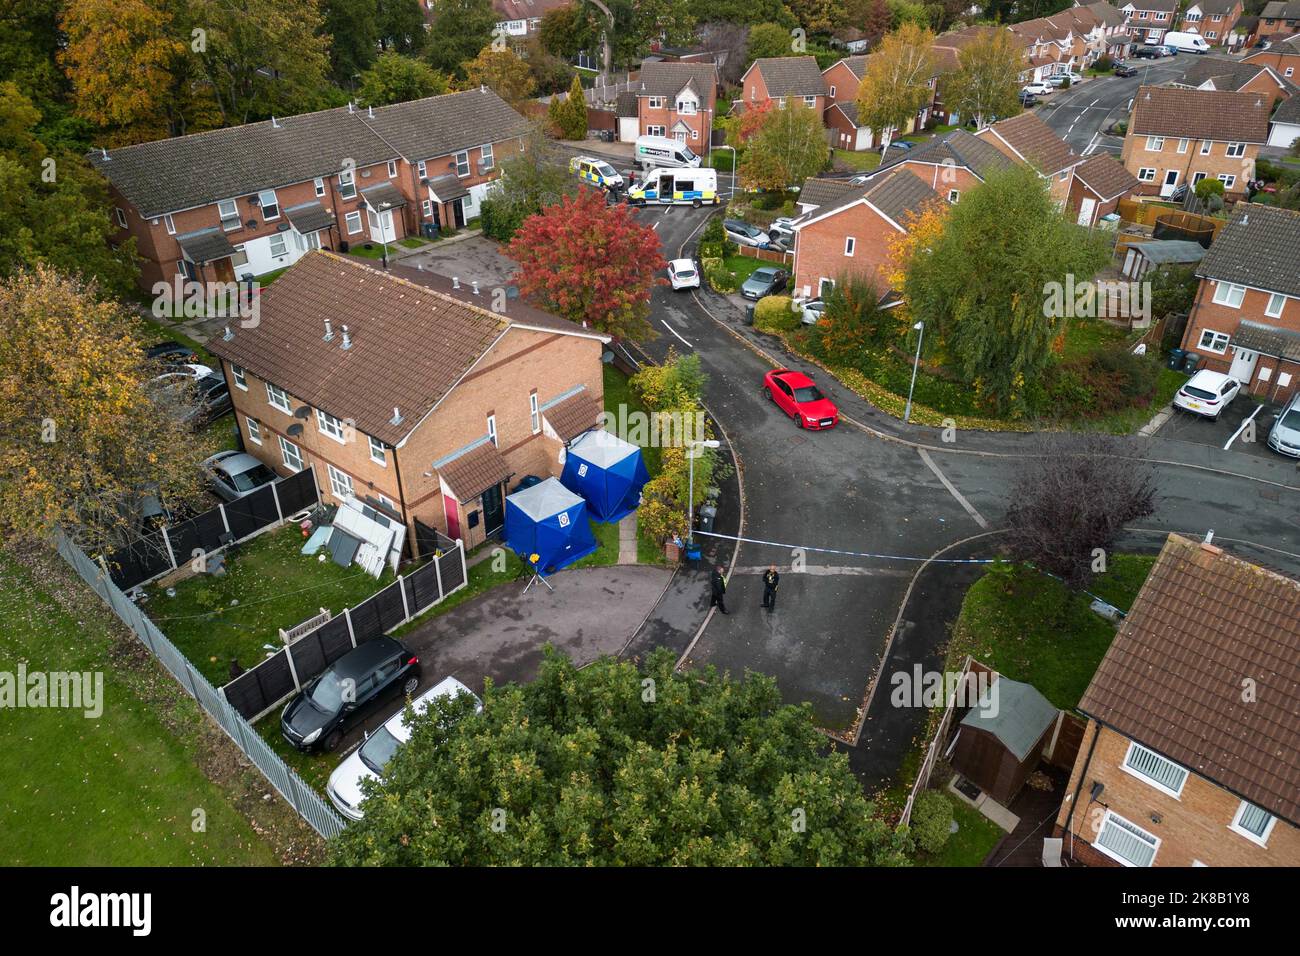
x: 852, y: 554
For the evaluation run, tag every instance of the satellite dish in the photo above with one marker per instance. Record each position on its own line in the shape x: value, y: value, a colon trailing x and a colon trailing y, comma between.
x: 295, y: 429
x: 302, y: 412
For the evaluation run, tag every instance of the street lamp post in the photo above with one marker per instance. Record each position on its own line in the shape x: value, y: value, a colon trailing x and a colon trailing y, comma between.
x: 907, y: 413
x: 690, y: 494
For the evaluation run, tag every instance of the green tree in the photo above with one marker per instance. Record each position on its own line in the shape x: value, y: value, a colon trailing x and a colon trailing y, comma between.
x: 29, y: 47
x: 401, y: 26
x: 503, y: 72
x: 395, y: 78
x: 743, y: 11
x: 528, y: 184
x: 569, y: 115
x: 619, y: 765
x: 817, y: 16
x: 896, y: 86
x: 769, y: 40
x: 985, y: 286
x: 353, y: 29
x: 565, y: 31
x: 987, y: 81
x: 460, y: 29
x: 788, y: 147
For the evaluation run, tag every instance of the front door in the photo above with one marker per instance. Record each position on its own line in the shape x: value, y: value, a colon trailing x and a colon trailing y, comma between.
x: 1086, y: 209
x: 1243, y: 366
x: 451, y: 508
x: 1171, y: 180
x: 224, y: 271
x: 493, y: 510
x: 458, y: 207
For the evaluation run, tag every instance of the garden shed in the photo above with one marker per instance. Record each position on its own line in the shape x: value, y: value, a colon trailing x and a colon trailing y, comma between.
x: 1000, y: 741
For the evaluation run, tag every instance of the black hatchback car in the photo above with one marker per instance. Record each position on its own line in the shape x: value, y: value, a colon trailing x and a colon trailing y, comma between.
x: 360, y: 680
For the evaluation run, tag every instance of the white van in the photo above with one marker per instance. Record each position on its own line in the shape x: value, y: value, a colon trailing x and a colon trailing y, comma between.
x: 1186, y: 42
x: 695, y: 187
x: 652, y: 151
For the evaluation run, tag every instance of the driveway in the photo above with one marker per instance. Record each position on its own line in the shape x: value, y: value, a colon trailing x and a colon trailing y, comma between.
x: 1229, y: 433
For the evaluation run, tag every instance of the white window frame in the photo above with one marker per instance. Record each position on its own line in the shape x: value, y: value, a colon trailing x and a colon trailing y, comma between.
x: 274, y: 204
x: 1206, y: 146
x: 254, y: 430
x: 654, y: 102
x: 1235, y: 150
x: 1183, y: 144
x: 422, y: 169
x: 534, y: 413
x: 327, y: 424
x: 1147, y: 174
x: 1269, y: 310
x: 392, y: 169
x: 456, y: 157
x: 1134, y: 830
x: 278, y: 398
x: 1218, y: 343
x: 241, y: 380
x: 1289, y: 72
x: 492, y: 429
x: 231, y: 221
x: 954, y: 195
x: 1228, y: 180
x: 169, y: 224
x: 850, y: 246
x: 1225, y: 292
x: 832, y: 91
x: 277, y: 239
x: 1155, y: 144
x: 121, y: 216
x: 1236, y: 827
x: 1136, y: 749
x: 290, y: 454
x: 340, y: 482
x: 426, y: 209
x: 320, y: 187
x: 810, y: 102
x: 487, y: 157
x: 350, y: 218
x: 378, y: 451
x: 347, y: 184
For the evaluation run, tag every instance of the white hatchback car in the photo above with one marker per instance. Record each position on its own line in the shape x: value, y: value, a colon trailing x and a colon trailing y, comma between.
x: 683, y: 274
x: 1038, y: 89
x: 369, y: 760
x: 1207, y: 393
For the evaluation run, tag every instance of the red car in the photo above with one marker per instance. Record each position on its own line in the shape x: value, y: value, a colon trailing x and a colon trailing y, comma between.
x: 799, y: 397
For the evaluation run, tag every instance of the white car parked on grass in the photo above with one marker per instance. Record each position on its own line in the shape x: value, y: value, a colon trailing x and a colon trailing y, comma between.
x: 369, y: 760
x: 1207, y: 394
x: 683, y: 274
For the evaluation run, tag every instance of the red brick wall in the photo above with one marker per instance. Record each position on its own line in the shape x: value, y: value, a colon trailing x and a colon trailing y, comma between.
x: 1206, y: 314
x: 819, y: 252
x: 844, y: 80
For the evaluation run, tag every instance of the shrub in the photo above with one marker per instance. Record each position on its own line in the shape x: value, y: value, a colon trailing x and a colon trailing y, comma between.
x: 931, y: 820
x: 499, y: 218
x: 775, y: 313
x: 717, y: 276
x: 1104, y: 64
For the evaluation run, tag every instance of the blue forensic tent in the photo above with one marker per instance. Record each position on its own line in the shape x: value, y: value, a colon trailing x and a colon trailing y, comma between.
x: 607, y: 471
x: 550, y: 521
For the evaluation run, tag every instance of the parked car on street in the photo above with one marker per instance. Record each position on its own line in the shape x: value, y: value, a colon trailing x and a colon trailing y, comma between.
x: 1185, y: 42
x: 798, y: 396
x: 1149, y: 53
x: 812, y: 311
x: 597, y: 172
x: 233, y: 474
x: 368, y: 761
x: 1123, y: 69
x: 1207, y: 393
x: 742, y: 233
x: 1027, y: 99
x: 765, y: 280
x: 683, y: 274
x: 1059, y: 80
x: 1284, y: 436
x: 366, y: 676
x: 1037, y: 88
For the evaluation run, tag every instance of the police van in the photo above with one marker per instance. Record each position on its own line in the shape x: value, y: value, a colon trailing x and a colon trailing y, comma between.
x: 660, y: 151
x: 675, y: 187
x: 597, y: 172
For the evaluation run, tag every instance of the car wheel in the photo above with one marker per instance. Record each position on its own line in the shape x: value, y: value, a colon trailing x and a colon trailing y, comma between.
x: 695, y: 204
x: 798, y: 420
x: 411, y: 686
x: 333, y: 739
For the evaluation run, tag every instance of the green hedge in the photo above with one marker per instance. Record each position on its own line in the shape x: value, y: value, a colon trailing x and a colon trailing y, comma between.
x: 775, y: 313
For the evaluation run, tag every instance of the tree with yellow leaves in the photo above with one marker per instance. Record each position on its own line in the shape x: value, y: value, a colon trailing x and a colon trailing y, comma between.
x: 896, y: 86
x: 84, y: 443
x: 503, y: 72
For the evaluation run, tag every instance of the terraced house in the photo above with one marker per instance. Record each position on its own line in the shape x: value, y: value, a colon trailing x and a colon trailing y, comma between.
x: 1191, y: 755
x: 1246, y: 317
x: 1236, y: 76
x: 247, y: 200
x: 1279, y: 19
x: 1178, y: 135
x: 1283, y: 56
x: 842, y: 81
x: 405, y: 390
x: 1147, y: 21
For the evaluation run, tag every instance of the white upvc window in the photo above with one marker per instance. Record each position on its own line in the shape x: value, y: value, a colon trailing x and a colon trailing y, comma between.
x: 1228, y: 180
x: 1229, y: 294
x: 169, y: 224
x: 462, y: 163
x: 1276, y: 302
x: 1183, y: 144
x: 320, y: 187
x: 1126, y: 842
x: 340, y: 482
x: 1155, y: 143
x: 487, y: 158
x: 492, y: 428
x: 426, y: 209
x: 290, y: 454
x: 422, y: 168
x: 534, y: 414
x: 278, y: 398
x: 1212, y: 341
x: 120, y: 216
x: 1147, y: 174
x: 348, y: 184
x: 1252, y: 822
x: 378, y: 451
x: 654, y: 102
x: 1236, y: 150
x: 254, y: 430
x: 329, y: 425
x: 270, y: 205
x: 1212, y: 34
x: 832, y: 91
x: 1206, y: 146
x: 228, y: 210
x: 1289, y: 72
x: 241, y: 380
x: 353, y: 220
x: 1165, y: 775
x: 850, y: 244
x: 278, y: 246
x: 392, y: 169
x: 954, y: 195
x: 810, y: 101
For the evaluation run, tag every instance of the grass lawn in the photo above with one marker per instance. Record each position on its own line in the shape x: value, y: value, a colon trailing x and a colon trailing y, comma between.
x: 1083, y: 337
x: 861, y: 161
x: 742, y: 267
x: 376, y: 250
x: 267, y: 278
x: 117, y: 790
x: 413, y: 242
x: 1030, y: 628
x: 272, y: 585
x: 976, y: 836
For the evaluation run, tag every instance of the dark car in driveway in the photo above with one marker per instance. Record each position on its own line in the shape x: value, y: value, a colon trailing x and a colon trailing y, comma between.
x: 766, y: 280
x: 370, y: 674
x: 1123, y: 69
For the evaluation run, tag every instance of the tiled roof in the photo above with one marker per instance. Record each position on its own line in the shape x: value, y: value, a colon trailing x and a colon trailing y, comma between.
x: 1259, y: 247
x: 1226, y: 74
x: 857, y: 65
x: 625, y: 104
x: 384, y: 194
x: 1163, y: 6
x: 206, y: 245
x: 791, y: 76
x: 1034, y: 140
x: 850, y: 111
x: 572, y: 416
x: 1288, y: 111
x: 1214, y: 7
x: 309, y: 217
x: 959, y: 148
x: 1203, y: 623
x: 1268, y: 339
x: 1200, y: 114
x: 664, y: 78
x: 1106, y: 176
x: 169, y: 175
x: 526, y: 9
x: 1106, y: 13
x: 1278, y: 10
x: 899, y: 195
x: 819, y: 192
x: 473, y: 471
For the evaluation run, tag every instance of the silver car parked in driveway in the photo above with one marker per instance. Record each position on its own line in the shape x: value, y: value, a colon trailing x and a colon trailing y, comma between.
x: 1284, y: 436
x: 233, y: 474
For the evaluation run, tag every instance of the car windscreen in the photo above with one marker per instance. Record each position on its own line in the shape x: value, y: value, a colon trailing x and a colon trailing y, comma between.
x: 327, y: 695
x: 690, y: 156
x: 606, y: 170
x: 378, y: 750
x: 1195, y: 392
x: 1291, y: 420
x: 809, y: 393
x: 253, y: 478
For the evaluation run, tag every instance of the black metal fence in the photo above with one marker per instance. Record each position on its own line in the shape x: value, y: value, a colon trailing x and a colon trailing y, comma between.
x: 261, y: 688
x: 162, y: 552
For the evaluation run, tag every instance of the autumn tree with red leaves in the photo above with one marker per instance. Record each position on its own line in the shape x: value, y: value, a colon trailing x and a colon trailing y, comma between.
x: 589, y: 262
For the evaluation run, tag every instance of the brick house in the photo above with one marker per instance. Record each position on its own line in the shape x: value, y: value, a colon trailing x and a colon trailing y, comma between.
x: 1177, y: 135
x: 519, y: 20
x: 1147, y: 21
x: 1214, y: 20
x: 842, y: 80
x: 784, y: 79
x: 1191, y: 755
x: 678, y: 99
x: 1245, y: 320
x: 851, y: 233
x: 1027, y: 139
x: 408, y: 393
x: 953, y: 163
x: 1234, y: 76
x: 1279, y: 19
x: 314, y: 181
x: 1283, y: 56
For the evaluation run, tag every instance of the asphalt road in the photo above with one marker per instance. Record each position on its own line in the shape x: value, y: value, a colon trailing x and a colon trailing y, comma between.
x: 1080, y: 114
